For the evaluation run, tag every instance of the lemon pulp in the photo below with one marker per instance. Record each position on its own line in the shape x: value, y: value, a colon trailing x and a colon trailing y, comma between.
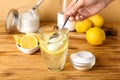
x: 28, y: 41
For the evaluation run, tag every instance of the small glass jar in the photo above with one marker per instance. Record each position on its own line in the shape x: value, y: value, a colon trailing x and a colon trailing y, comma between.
x: 23, y: 20
x: 60, y: 15
x: 82, y: 60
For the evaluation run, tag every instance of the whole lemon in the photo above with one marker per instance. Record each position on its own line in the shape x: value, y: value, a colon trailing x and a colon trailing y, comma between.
x: 97, y: 20
x: 83, y: 26
x: 95, y: 36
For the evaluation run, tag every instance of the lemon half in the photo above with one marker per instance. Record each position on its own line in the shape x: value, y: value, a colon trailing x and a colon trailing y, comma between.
x: 28, y: 41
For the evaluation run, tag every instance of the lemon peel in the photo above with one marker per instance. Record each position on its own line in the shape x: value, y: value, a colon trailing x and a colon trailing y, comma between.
x: 97, y: 20
x: 83, y: 26
x: 95, y: 36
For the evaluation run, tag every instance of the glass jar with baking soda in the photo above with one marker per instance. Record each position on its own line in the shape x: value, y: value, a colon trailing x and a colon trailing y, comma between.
x: 23, y: 20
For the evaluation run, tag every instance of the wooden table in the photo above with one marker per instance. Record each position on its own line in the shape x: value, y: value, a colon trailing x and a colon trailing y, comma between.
x: 15, y: 65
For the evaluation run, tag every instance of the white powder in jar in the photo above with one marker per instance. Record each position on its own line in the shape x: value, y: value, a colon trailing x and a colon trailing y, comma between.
x: 28, y: 22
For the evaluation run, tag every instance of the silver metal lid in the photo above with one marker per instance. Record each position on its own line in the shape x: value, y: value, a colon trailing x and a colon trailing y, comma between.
x: 11, y: 21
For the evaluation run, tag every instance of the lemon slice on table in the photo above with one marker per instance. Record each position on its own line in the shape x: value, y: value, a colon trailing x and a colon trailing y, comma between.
x: 18, y: 38
x: 28, y: 41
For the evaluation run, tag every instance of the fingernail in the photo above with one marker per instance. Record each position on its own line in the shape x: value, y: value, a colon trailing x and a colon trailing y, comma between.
x: 81, y: 17
x: 71, y: 19
x: 68, y: 12
x: 77, y: 18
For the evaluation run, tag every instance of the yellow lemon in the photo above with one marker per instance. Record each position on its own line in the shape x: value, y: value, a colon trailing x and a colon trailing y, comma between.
x: 95, y: 36
x: 28, y: 41
x: 17, y: 38
x: 97, y: 20
x: 83, y: 26
x: 36, y: 35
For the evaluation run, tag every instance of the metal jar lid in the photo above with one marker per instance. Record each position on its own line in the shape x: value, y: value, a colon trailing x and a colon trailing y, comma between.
x: 11, y: 21
x: 82, y: 60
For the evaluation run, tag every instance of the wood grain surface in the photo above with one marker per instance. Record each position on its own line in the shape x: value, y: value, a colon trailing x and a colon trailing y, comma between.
x: 14, y: 65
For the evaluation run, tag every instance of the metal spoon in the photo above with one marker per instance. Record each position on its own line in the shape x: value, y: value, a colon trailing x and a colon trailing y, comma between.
x: 65, y: 22
x: 58, y: 33
x: 67, y: 19
x: 37, y: 4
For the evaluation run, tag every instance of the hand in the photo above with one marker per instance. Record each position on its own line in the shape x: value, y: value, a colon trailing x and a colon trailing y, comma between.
x: 84, y: 8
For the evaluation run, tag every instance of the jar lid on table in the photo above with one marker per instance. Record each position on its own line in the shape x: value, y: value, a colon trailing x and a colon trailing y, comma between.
x: 11, y: 21
x: 82, y: 60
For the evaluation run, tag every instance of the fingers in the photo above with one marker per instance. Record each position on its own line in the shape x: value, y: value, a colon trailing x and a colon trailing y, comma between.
x: 84, y: 12
x: 81, y: 14
x: 71, y: 18
x: 68, y: 8
x: 77, y: 18
x: 84, y: 9
x: 74, y: 7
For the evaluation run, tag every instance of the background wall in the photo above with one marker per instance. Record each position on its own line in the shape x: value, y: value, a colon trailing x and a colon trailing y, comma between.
x: 48, y: 10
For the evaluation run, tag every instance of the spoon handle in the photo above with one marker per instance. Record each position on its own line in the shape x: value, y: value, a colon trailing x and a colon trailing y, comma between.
x: 67, y: 19
x: 65, y: 22
x: 37, y: 4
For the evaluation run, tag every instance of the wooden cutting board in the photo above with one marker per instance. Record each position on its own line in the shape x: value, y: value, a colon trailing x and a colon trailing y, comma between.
x: 110, y: 30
